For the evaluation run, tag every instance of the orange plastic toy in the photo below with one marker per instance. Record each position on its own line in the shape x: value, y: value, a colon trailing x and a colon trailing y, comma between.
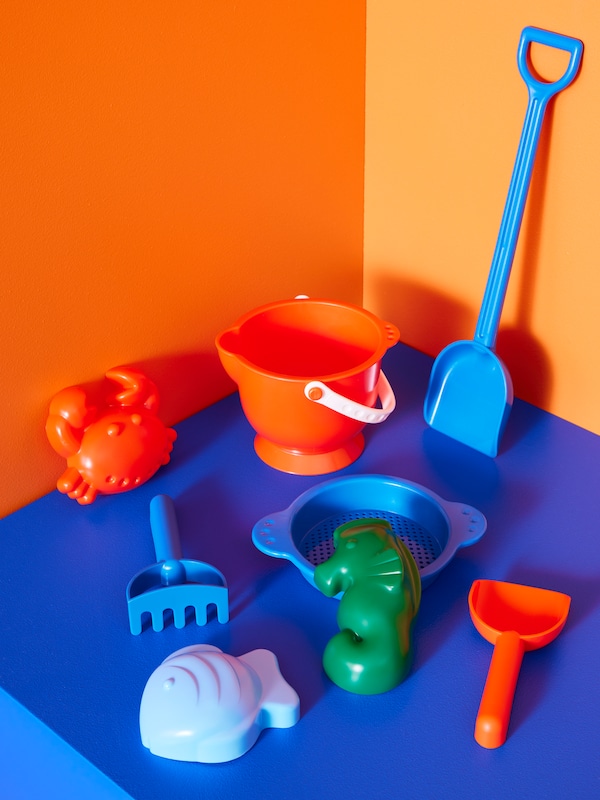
x: 113, y: 445
x: 309, y: 379
x: 514, y: 619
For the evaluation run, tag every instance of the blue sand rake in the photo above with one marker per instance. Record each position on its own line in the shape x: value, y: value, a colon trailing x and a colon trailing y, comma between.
x: 173, y: 584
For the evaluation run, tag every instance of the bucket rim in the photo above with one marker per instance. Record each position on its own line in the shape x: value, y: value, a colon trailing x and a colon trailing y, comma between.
x: 389, y: 336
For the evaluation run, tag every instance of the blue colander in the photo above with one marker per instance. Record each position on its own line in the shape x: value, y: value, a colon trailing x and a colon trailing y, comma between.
x: 433, y: 529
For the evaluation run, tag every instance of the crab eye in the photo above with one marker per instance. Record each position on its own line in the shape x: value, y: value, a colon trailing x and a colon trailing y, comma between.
x: 115, y: 429
x: 136, y: 419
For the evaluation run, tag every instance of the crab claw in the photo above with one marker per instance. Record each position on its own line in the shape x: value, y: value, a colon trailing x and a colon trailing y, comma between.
x: 137, y: 388
x: 69, y: 415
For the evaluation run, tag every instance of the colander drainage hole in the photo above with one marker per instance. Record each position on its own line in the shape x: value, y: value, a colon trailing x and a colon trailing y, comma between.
x: 317, y: 544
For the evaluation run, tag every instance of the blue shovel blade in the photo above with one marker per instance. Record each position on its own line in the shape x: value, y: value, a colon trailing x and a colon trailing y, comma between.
x: 469, y: 396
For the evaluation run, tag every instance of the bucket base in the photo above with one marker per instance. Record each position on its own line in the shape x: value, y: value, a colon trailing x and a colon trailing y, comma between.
x: 296, y: 462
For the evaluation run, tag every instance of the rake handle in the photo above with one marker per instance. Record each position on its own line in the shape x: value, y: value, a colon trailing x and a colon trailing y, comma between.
x: 165, y: 535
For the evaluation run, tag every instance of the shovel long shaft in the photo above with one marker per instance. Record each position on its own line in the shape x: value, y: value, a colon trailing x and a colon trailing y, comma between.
x: 504, y: 253
x: 540, y: 93
x: 495, y: 708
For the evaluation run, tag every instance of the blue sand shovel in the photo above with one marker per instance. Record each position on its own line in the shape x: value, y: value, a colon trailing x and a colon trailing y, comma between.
x: 470, y: 390
x: 173, y: 584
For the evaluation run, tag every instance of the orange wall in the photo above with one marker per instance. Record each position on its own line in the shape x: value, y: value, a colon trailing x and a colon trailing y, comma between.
x: 445, y: 105
x: 164, y: 168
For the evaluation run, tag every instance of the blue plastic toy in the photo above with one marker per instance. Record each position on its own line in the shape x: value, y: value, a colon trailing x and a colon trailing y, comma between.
x: 204, y: 705
x: 470, y: 391
x: 432, y: 528
x: 173, y: 584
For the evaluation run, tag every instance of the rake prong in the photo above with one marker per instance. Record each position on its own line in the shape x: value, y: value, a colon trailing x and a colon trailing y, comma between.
x: 219, y: 596
x: 158, y: 619
x: 179, y: 616
x: 201, y: 615
x: 135, y: 622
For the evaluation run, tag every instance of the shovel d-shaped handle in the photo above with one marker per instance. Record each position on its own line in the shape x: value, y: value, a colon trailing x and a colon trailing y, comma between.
x: 495, y: 708
x: 540, y: 92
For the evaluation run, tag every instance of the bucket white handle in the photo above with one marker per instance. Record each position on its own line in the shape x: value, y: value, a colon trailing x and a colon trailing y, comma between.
x: 320, y: 393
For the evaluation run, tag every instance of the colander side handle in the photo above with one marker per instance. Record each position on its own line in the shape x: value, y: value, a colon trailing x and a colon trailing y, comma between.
x: 271, y: 536
x: 467, y: 525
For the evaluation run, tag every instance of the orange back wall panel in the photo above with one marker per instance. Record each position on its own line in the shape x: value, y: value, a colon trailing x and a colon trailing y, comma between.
x: 164, y: 168
x: 445, y: 106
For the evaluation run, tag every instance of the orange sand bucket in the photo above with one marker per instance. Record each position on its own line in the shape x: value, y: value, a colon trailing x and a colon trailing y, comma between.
x: 309, y: 378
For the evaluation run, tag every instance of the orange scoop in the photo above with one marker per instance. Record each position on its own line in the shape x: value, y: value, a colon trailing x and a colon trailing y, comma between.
x: 514, y: 619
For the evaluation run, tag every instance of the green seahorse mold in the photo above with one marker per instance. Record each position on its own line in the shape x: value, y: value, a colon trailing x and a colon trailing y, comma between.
x: 381, y: 585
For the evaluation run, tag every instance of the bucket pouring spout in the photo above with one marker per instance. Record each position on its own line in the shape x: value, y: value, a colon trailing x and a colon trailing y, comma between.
x: 229, y: 346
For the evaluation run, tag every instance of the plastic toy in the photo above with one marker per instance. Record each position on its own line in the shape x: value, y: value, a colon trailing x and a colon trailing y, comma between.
x: 309, y: 378
x: 470, y: 391
x: 203, y: 705
x: 433, y: 529
x: 173, y: 584
x: 514, y: 618
x: 112, y: 445
x: 381, y: 588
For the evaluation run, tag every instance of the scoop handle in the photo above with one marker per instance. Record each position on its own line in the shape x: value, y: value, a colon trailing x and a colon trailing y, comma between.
x: 493, y: 716
x: 540, y: 93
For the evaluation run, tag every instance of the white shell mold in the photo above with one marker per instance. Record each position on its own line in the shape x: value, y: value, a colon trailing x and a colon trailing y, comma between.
x: 203, y: 705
